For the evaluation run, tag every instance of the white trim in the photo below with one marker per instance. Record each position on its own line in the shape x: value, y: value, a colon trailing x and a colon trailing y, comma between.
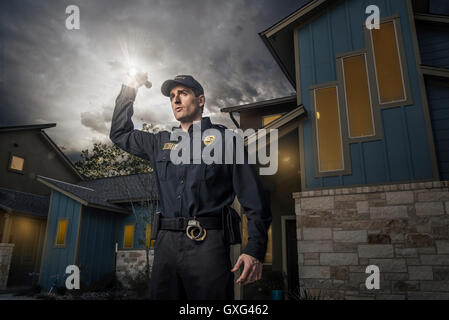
x: 293, y: 17
x: 431, y: 17
x: 70, y: 184
x: 435, y: 71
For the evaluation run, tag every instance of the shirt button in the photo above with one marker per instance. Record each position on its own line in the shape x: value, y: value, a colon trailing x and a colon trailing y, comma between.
x: 178, y: 197
x: 182, y: 181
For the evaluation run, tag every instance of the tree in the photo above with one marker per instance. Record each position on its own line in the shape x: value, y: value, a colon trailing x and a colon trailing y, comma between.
x: 108, y: 160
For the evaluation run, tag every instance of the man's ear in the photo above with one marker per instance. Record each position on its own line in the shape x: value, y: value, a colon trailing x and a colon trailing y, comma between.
x: 201, y: 100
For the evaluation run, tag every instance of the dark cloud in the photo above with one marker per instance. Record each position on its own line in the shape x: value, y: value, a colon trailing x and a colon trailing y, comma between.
x: 51, y: 74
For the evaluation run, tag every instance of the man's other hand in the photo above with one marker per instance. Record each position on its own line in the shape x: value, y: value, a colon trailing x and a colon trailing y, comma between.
x: 252, y: 269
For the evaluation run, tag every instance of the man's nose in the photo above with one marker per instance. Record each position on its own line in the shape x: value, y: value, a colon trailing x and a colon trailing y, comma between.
x: 177, y: 99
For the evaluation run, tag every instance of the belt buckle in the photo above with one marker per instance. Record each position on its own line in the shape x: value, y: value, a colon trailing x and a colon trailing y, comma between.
x: 195, y: 231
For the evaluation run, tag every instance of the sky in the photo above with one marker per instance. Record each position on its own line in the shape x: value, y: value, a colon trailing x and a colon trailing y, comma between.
x: 49, y: 74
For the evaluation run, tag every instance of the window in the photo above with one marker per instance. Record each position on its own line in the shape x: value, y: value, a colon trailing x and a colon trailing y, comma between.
x: 389, y: 65
x: 269, y: 119
x: 269, y: 254
x: 328, y: 130
x: 128, y: 237
x: 149, y: 242
x: 357, y: 95
x: 16, y: 163
x: 61, y: 233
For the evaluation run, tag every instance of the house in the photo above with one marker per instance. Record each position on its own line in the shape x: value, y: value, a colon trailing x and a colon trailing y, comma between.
x: 370, y: 135
x: 52, y: 217
x: 282, y: 114
x: 27, y: 151
x: 101, y: 226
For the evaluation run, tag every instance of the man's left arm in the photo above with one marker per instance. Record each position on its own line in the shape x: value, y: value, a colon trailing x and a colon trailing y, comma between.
x: 256, y: 205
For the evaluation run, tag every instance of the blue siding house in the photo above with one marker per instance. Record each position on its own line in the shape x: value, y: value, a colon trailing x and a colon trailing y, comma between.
x: 87, y: 226
x: 371, y: 122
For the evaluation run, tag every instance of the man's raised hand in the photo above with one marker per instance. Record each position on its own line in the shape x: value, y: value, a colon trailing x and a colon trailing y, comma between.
x: 137, y: 80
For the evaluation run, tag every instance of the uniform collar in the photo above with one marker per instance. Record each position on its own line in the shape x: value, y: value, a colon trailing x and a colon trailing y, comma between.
x: 205, y: 124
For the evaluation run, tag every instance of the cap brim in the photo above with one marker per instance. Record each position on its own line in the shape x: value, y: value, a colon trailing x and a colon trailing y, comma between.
x: 168, y: 85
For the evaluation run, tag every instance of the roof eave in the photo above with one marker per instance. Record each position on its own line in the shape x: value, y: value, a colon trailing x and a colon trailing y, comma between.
x: 78, y: 199
x: 261, y: 104
x: 28, y: 127
x: 288, y: 24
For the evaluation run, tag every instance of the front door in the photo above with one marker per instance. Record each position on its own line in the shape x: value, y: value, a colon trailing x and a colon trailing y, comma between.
x: 27, y: 236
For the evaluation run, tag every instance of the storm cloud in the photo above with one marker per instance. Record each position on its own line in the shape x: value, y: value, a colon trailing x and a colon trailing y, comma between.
x: 72, y: 77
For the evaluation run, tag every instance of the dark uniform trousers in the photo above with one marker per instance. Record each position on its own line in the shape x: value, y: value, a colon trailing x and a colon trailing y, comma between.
x: 184, y: 268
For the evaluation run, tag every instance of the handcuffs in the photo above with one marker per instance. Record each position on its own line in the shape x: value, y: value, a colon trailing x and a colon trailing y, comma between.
x: 195, y: 231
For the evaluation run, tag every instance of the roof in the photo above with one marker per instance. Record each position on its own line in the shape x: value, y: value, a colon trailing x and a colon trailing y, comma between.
x: 285, y: 121
x: 278, y: 38
x: 125, y: 188
x: 105, y: 193
x: 41, y: 127
x: 261, y: 104
x: 27, y: 127
x: 26, y: 203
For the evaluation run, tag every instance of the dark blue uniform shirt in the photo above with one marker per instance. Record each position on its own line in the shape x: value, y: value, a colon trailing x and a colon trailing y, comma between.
x: 188, y: 190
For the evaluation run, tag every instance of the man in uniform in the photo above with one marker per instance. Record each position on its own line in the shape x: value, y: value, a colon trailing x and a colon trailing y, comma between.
x: 192, y: 250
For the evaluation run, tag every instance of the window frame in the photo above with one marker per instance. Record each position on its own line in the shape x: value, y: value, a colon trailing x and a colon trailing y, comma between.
x: 346, y: 170
x: 372, y: 70
x: 11, y: 155
x: 375, y: 114
x: 64, y: 245
x: 133, y: 237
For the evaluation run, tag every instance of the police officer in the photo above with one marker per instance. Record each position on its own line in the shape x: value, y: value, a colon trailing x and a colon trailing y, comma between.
x: 192, y: 250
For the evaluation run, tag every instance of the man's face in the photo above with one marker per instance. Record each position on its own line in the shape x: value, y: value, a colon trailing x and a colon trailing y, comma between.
x: 185, y: 105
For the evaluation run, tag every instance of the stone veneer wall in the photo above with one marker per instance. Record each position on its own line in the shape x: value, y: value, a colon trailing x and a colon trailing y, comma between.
x: 403, y: 229
x: 5, y: 262
x: 130, y: 262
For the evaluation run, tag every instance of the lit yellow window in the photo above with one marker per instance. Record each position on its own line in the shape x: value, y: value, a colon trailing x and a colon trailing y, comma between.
x: 390, y: 82
x: 61, y: 233
x: 269, y: 119
x: 17, y: 163
x: 128, y: 238
x: 148, y: 237
x: 269, y: 254
x: 358, y: 101
x: 329, y: 143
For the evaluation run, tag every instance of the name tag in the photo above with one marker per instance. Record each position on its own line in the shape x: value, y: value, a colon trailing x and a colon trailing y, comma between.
x: 170, y: 146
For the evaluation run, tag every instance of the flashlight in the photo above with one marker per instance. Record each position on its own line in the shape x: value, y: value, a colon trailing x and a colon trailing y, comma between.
x: 138, y: 77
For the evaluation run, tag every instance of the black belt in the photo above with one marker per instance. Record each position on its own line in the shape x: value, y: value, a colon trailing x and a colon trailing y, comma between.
x: 181, y: 223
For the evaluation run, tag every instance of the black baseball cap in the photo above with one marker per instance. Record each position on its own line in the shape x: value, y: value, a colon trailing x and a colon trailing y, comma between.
x: 184, y: 80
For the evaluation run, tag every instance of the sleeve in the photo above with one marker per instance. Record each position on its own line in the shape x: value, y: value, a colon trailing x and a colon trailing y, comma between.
x: 122, y: 132
x: 256, y: 204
